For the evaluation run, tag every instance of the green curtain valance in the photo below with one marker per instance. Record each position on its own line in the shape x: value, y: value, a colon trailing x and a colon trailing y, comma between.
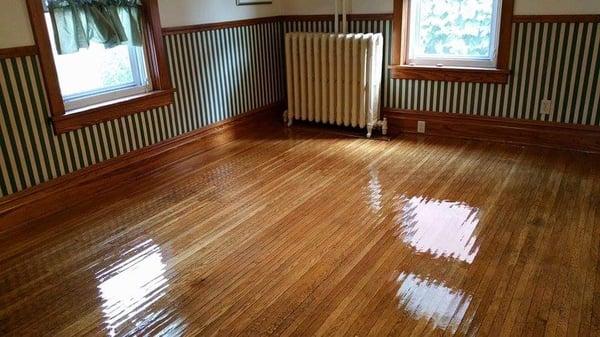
x: 112, y: 23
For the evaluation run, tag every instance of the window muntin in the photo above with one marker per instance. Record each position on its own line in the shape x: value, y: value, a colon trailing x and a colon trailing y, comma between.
x: 97, y: 74
x: 459, y: 33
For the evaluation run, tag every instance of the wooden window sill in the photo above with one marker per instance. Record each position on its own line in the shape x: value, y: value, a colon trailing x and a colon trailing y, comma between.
x: 79, y: 118
x: 450, y: 74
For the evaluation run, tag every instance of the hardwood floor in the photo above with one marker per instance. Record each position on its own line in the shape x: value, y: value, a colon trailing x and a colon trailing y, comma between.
x: 302, y: 232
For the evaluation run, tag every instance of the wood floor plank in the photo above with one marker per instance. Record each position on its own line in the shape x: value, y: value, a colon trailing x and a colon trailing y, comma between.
x: 590, y: 324
x: 332, y: 301
x: 546, y: 200
x: 302, y: 232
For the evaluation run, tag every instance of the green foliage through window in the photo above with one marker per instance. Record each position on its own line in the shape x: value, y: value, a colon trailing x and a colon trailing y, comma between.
x: 453, y: 28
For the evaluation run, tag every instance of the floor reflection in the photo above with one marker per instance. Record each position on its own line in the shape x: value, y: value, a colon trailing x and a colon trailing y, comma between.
x: 440, y: 228
x: 375, y: 191
x: 444, y: 307
x: 130, y: 287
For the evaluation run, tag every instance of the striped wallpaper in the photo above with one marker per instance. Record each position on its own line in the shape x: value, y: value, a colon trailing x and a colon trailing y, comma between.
x: 218, y: 74
x: 225, y: 72
x: 558, y: 61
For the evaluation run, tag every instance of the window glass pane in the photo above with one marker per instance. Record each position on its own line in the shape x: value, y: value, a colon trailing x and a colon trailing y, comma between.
x: 95, y: 69
x: 453, y: 28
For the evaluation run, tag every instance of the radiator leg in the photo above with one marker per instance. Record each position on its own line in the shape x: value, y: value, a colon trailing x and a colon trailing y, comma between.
x: 287, y: 118
x: 384, y: 127
x: 369, y: 130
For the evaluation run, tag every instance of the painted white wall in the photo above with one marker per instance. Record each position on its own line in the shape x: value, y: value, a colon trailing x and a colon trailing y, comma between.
x: 15, y: 29
x: 556, y: 7
x: 175, y: 13
x: 308, y: 7
x: 522, y: 7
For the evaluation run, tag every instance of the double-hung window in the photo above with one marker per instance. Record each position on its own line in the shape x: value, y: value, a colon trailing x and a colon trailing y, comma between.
x: 101, y: 59
x: 456, y: 40
x: 97, y: 74
x: 454, y: 33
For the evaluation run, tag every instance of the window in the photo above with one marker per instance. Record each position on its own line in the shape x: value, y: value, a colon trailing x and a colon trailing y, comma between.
x: 453, y: 40
x: 91, y: 75
x: 97, y: 74
x: 454, y: 33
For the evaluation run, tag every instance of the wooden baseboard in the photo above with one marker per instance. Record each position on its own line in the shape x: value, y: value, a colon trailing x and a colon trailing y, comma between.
x: 269, y: 19
x: 556, y: 18
x: 555, y: 135
x: 331, y: 17
x: 52, y: 196
x: 218, y: 25
x: 18, y: 52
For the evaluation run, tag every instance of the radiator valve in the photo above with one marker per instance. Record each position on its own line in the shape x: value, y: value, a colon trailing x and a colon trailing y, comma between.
x: 382, y: 124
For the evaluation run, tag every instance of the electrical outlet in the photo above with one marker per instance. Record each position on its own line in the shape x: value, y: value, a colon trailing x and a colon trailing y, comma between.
x: 546, y: 108
x: 421, y: 127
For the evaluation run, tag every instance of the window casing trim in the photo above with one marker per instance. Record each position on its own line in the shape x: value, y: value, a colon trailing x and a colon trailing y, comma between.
x: 472, y: 62
x: 401, y: 67
x: 103, y: 97
x: 158, y: 75
x: 102, y: 112
x: 138, y: 85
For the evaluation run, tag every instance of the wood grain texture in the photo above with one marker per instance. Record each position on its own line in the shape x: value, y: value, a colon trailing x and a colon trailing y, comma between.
x: 297, y: 232
x: 504, y: 46
x: 218, y: 25
x: 401, y: 70
x: 331, y: 17
x: 158, y: 71
x: 210, y: 89
x: 399, y: 29
x: 156, y: 55
x: 18, y: 52
x: 268, y: 19
x: 42, y: 41
x: 49, y: 197
x: 556, y: 18
x: 450, y: 74
x: 555, y: 135
x: 91, y: 115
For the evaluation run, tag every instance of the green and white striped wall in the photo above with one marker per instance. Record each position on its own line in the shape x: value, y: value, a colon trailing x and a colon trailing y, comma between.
x: 557, y: 61
x: 218, y: 74
x: 222, y: 73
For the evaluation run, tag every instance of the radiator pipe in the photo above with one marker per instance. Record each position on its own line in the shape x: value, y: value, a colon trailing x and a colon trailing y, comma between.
x: 337, y: 17
x: 344, y: 18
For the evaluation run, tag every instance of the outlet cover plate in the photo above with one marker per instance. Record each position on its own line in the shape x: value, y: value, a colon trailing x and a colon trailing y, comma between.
x: 421, y: 125
x: 546, y: 107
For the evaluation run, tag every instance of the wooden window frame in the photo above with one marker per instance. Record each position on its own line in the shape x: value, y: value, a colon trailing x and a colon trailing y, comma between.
x: 158, y: 73
x: 401, y: 70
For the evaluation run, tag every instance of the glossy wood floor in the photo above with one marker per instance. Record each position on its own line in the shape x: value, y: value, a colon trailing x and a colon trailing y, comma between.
x: 305, y: 233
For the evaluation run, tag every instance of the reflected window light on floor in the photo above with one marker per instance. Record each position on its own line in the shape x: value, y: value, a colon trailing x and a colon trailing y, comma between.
x: 441, y: 228
x: 375, y: 190
x: 129, y: 287
x: 444, y: 307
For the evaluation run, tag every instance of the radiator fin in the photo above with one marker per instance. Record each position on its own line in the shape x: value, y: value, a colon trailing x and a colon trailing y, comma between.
x: 334, y: 79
